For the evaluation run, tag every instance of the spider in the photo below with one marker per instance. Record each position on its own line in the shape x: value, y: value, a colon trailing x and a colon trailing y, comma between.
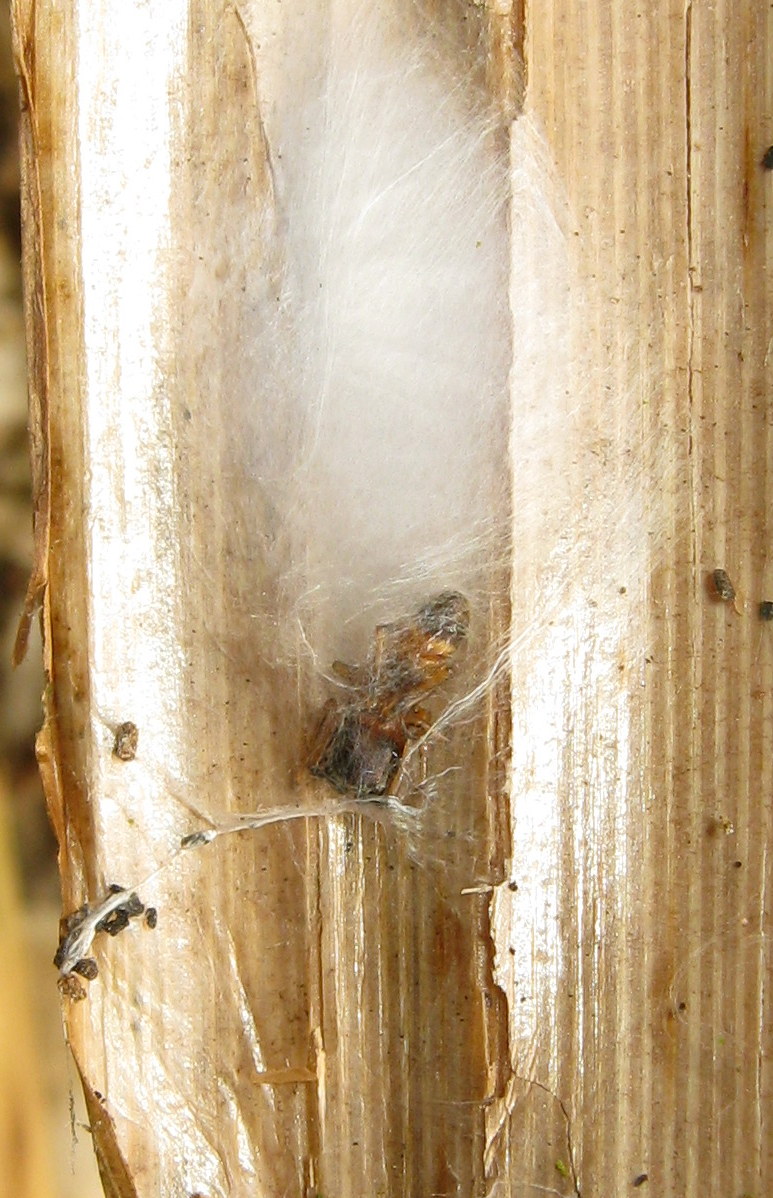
x: 361, y: 741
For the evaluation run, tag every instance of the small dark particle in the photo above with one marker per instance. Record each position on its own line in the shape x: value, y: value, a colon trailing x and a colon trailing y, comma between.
x: 767, y: 159
x: 134, y: 905
x: 114, y: 923
x: 683, y: 1006
x: 72, y: 988
x: 512, y: 886
x: 723, y: 587
x: 640, y: 1180
x: 737, y: 864
x: 151, y: 917
x: 766, y: 609
x: 118, y: 919
x: 195, y: 839
x: 87, y: 968
x: 126, y: 738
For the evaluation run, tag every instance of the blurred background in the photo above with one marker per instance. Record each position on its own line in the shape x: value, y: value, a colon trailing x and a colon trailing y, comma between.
x: 45, y: 1146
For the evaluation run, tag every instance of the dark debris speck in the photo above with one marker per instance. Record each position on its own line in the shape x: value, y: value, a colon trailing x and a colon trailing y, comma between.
x: 126, y: 740
x: 723, y: 587
x: 87, y: 968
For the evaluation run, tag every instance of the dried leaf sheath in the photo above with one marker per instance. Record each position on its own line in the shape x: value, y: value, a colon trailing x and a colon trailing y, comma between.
x: 233, y: 1048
